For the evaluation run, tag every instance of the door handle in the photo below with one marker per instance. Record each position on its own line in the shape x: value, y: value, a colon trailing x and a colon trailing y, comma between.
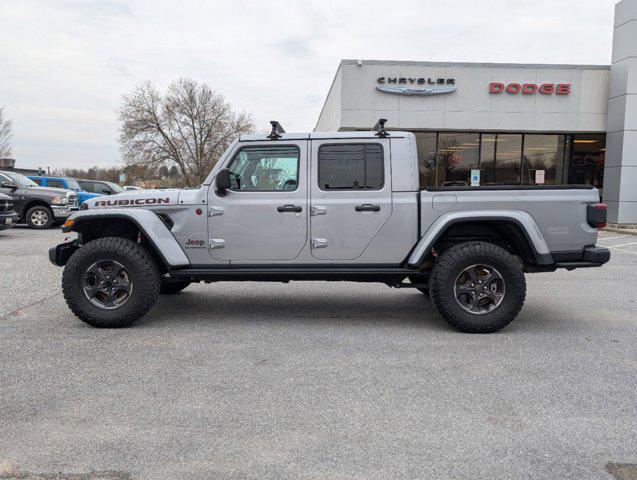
x: 289, y: 208
x: 367, y: 207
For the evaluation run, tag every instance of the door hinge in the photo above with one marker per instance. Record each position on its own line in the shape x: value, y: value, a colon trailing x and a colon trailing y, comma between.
x: 214, y: 211
x: 319, y: 243
x: 318, y: 210
x: 216, y: 243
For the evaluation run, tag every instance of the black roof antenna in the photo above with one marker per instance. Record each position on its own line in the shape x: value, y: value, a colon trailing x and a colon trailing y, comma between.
x: 277, y: 130
x: 379, y: 128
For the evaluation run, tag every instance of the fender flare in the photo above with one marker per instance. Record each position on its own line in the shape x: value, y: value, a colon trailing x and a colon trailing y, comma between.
x: 521, y: 218
x: 153, y: 228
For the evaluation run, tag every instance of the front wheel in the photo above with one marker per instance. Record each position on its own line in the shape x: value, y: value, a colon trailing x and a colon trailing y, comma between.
x: 39, y: 217
x: 110, y: 282
x: 477, y: 287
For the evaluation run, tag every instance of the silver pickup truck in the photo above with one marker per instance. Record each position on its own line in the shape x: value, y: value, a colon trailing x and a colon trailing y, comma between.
x: 343, y: 206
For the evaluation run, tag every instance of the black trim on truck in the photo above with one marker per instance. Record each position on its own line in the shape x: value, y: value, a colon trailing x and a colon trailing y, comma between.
x: 510, y: 187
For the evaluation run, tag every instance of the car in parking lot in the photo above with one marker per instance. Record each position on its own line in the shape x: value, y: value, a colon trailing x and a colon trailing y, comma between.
x: 359, y: 215
x: 101, y: 187
x: 63, y: 182
x: 40, y: 207
x: 8, y: 217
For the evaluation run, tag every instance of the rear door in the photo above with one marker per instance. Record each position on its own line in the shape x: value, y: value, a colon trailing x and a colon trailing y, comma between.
x: 264, y: 216
x: 350, y: 195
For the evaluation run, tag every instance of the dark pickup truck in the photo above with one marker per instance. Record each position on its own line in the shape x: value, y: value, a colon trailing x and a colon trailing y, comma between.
x: 8, y: 217
x: 38, y: 206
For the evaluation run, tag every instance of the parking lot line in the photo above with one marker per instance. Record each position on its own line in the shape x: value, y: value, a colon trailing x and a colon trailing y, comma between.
x: 624, y: 245
x: 612, y: 238
x: 622, y: 250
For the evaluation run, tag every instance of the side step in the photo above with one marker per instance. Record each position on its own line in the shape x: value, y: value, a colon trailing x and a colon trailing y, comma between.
x: 283, y: 274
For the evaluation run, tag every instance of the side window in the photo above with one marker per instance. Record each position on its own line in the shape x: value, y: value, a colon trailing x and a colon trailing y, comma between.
x: 55, y: 183
x: 37, y: 180
x: 351, y: 167
x: 264, y: 168
x: 103, y: 188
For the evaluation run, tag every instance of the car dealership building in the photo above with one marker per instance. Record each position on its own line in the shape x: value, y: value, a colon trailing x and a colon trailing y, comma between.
x: 507, y: 124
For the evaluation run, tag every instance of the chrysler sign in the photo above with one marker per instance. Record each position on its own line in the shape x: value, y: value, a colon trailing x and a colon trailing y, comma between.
x: 416, y: 85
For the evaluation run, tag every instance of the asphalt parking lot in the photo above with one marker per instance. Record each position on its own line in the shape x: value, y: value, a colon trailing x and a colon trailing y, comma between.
x: 317, y: 380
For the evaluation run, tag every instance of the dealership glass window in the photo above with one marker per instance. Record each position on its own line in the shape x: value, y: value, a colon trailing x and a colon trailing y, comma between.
x: 500, y: 159
x: 265, y: 169
x: 586, y: 163
x: 351, y: 166
x: 543, y: 153
x: 457, y: 155
x: 426, y: 146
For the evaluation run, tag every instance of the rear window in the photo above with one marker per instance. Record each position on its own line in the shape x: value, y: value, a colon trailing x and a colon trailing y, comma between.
x: 55, y: 183
x: 351, y: 166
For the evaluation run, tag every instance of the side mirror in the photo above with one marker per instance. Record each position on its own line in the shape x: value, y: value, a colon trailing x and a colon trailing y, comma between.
x: 9, y: 185
x: 222, y: 181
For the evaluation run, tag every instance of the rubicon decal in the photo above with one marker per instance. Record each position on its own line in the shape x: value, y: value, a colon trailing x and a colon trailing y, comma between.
x: 131, y: 202
x: 531, y: 88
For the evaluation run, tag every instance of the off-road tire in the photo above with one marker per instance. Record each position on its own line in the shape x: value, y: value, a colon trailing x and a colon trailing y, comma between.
x: 46, y: 211
x: 139, y: 264
x: 170, y: 286
x: 452, y: 262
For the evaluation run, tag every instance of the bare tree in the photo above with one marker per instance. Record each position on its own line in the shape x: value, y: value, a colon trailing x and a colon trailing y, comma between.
x: 5, y: 136
x: 189, y: 127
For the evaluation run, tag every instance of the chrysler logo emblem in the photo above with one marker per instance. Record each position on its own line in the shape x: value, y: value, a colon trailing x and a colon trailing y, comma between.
x: 416, y: 86
x: 416, y: 91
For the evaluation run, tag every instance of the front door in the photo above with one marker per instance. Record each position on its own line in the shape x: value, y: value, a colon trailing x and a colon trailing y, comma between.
x: 264, y: 216
x: 350, y: 197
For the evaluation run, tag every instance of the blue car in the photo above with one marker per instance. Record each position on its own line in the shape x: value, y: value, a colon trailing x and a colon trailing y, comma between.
x: 64, y: 182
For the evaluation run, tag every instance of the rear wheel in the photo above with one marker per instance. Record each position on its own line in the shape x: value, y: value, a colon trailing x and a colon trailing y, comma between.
x: 110, y: 282
x: 477, y: 287
x: 170, y: 286
x: 39, y: 217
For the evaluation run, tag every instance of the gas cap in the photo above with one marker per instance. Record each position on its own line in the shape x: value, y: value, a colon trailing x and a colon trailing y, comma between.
x: 443, y: 202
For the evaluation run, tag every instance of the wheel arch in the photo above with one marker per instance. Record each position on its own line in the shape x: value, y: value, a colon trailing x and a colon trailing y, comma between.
x: 522, y: 230
x: 36, y: 202
x: 129, y: 223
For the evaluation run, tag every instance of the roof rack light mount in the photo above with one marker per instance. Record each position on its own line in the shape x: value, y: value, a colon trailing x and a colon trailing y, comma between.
x: 277, y: 130
x: 379, y: 128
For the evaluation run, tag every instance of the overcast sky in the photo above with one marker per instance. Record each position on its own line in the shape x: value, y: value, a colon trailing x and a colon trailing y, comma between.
x: 64, y: 64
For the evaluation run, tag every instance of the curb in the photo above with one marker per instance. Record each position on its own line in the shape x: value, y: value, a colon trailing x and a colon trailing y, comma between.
x: 627, y: 231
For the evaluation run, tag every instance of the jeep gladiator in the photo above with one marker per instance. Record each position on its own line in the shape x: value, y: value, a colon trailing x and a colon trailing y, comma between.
x: 343, y: 206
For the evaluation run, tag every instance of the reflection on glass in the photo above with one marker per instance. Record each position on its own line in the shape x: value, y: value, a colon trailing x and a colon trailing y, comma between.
x: 426, y: 145
x: 543, y: 153
x: 458, y: 154
x: 586, y: 165
x: 500, y: 159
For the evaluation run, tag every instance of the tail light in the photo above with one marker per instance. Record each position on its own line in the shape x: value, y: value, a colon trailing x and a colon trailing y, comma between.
x: 596, y: 215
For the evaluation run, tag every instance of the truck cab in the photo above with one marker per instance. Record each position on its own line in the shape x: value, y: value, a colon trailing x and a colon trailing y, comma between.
x: 63, y: 182
x: 340, y: 206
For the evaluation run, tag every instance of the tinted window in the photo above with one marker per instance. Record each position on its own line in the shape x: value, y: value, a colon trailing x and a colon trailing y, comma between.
x: 86, y: 186
x: 351, y: 167
x: 55, y: 183
x: 265, y: 169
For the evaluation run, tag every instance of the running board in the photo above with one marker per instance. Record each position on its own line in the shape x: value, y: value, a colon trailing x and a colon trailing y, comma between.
x: 283, y: 274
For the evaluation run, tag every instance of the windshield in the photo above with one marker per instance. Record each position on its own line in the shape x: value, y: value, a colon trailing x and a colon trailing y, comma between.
x: 116, y: 188
x: 21, y: 180
x: 73, y: 185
